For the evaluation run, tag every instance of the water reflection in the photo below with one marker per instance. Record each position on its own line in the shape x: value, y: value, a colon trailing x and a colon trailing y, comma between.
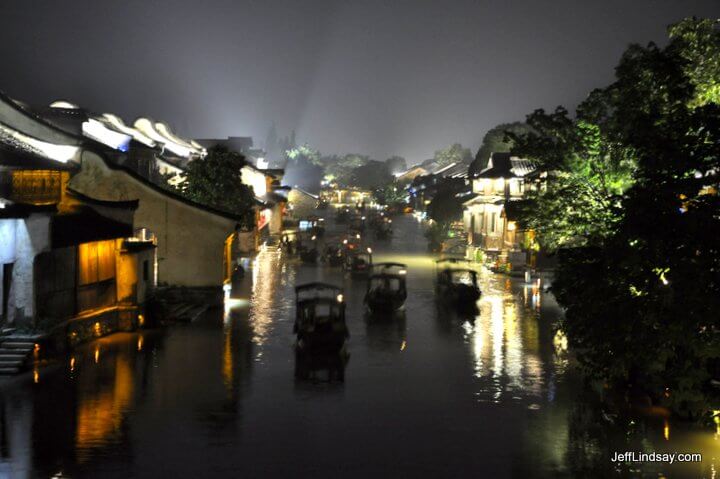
x: 434, y: 393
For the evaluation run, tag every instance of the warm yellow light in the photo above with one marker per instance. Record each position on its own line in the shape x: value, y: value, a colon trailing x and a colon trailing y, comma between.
x: 339, y: 298
x: 357, y: 236
x: 97, y: 355
x: 140, y: 343
x: 72, y: 364
x: 402, y: 271
x: 511, y: 226
x: 666, y: 430
x: 96, y: 329
x: 36, y: 376
x: 403, y: 345
x: 369, y: 250
x: 141, y: 319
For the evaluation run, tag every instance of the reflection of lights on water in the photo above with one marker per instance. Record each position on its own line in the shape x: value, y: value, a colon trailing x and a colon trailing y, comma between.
x: 140, y: 343
x: 264, y: 279
x: 403, y: 345
x: 36, y: 376
x: 505, y: 345
x: 97, y: 355
x: 666, y: 430
x: 560, y: 341
x: 72, y: 364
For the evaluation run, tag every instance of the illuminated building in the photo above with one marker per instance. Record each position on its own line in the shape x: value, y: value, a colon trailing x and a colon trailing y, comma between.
x: 68, y: 264
x: 489, y: 216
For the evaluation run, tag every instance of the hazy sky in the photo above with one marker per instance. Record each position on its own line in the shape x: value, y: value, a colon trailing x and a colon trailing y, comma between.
x: 386, y: 77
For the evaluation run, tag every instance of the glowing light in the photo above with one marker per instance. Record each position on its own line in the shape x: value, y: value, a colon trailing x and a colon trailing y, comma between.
x: 98, y: 131
x: 357, y: 236
x: 72, y: 364
x: 64, y: 104
x: 96, y: 329
x: 61, y: 153
x: 402, y: 271
x: 345, y: 241
x: 340, y: 298
x: 36, y: 376
x: 369, y: 250
x: 141, y: 320
x: 403, y: 345
x: 666, y: 430
x: 118, y: 124
x: 97, y: 355
x: 140, y: 343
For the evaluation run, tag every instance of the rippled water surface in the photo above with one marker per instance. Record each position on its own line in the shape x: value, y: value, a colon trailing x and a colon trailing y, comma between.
x: 427, y: 395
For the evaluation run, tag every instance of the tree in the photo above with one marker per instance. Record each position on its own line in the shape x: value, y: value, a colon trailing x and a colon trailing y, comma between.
x: 373, y: 174
x: 340, y: 168
x: 304, y: 168
x: 216, y: 181
x: 587, y: 173
x: 396, y: 164
x: 446, y: 205
x: 454, y: 153
x: 496, y: 140
x: 391, y: 194
x: 642, y: 297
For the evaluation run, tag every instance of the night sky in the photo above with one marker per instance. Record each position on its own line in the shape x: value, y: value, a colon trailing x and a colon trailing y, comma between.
x: 403, y: 77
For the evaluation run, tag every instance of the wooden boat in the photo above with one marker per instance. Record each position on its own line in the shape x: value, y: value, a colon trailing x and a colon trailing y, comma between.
x: 456, y: 285
x: 383, y: 229
x: 314, y: 225
x: 386, y: 288
x: 358, y: 261
x: 333, y: 254
x: 342, y: 216
x: 320, y: 318
x: 357, y: 223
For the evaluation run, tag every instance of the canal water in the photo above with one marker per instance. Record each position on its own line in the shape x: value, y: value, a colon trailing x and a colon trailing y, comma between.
x: 427, y: 395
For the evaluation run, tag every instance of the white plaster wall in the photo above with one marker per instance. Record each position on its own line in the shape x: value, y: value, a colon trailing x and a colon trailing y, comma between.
x: 32, y: 237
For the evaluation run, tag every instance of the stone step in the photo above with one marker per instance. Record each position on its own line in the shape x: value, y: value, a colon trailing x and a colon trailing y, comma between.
x: 9, y: 343
x: 3, y: 349
x: 4, y: 363
x: 12, y: 354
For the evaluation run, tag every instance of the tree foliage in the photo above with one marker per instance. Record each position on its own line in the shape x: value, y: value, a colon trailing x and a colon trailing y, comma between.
x: 496, y: 140
x: 216, y: 181
x: 340, y: 168
x: 446, y: 205
x: 642, y: 294
x: 585, y: 172
x: 454, y: 153
x: 396, y: 164
x: 371, y: 175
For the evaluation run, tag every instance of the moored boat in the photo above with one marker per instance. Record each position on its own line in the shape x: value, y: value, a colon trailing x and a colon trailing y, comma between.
x: 320, y: 318
x: 386, y: 287
x: 456, y: 285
